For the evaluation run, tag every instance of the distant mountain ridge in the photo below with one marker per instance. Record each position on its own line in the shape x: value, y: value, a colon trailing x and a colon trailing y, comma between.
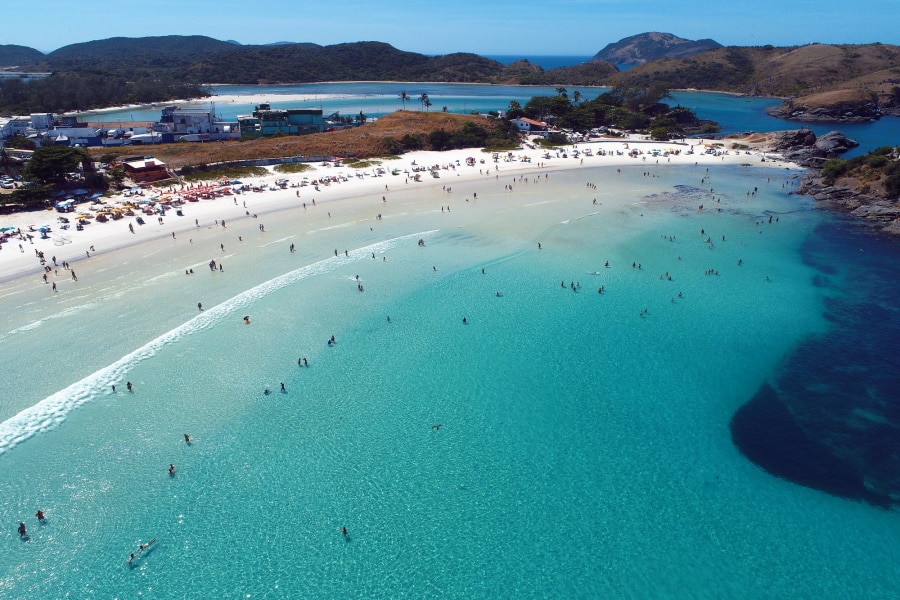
x: 645, y: 47
x: 825, y: 82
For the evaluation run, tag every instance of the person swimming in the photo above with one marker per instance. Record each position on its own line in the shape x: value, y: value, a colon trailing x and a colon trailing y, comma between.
x: 40, y: 516
x: 172, y: 474
x: 187, y: 439
x: 23, y: 532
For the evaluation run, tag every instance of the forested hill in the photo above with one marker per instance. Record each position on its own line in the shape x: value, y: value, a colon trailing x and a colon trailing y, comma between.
x: 153, y: 69
x: 120, y: 54
x: 19, y: 56
x: 301, y: 63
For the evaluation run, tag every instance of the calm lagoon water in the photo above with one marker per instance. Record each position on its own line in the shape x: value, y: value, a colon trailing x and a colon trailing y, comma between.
x: 559, y: 444
x: 375, y: 99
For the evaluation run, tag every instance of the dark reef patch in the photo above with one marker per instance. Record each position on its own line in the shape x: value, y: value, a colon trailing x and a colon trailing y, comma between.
x: 831, y: 419
x: 766, y: 432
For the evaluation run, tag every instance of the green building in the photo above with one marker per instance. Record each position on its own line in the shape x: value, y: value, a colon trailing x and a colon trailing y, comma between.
x: 267, y: 121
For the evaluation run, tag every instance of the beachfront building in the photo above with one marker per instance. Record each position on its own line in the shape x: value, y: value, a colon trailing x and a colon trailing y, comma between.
x: 145, y: 169
x: 194, y: 125
x: 291, y: 121
x: 10, y: 126
x: 72, y: 136
x: 42, y: 120
x: 526, y: 125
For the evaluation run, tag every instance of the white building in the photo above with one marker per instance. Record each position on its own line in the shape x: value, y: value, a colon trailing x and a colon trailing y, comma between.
x: 42, y: 121
x: 10, y: 126
x: 525, y: 124
x: 192, y: 122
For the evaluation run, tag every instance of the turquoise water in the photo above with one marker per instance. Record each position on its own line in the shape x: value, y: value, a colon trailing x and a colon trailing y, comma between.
x: 583, y: 448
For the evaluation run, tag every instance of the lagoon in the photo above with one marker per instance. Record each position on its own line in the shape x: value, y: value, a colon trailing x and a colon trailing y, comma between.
x: 734, y: 113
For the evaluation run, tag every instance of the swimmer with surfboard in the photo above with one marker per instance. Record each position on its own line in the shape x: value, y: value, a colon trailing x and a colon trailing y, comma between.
x: 140, y: 551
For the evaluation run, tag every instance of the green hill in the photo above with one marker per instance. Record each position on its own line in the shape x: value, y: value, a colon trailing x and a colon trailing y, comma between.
x: 120, y: 54
x: 19, y: 56
x: 369, y: 61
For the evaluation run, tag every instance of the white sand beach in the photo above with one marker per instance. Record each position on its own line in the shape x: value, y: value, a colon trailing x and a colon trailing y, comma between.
x: 347, y: 187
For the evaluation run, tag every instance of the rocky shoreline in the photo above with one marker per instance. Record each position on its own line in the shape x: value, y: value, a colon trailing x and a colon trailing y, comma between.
x: 842, y: 112
x: 879, y: 212
x: 861, y: 201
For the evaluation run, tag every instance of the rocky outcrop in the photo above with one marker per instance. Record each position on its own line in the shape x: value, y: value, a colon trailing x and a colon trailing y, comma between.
x: 865, y: 202
x: 644, y: 47
x: 882, y: 213
x: 803, y: 147
x: 860, y: 111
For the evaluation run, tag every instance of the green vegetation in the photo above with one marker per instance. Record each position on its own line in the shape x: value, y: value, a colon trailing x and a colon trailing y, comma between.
x: 292, y: 168
x: 472, y: 135
x: 20, y: 142
x: 623, y: 108
x: 205, y: 173
x: 29, y: 196
x: 361, y: 164
x: 73, y: 91
x: 50, y: 164
x: 552, y: 140
x: 881, y: 164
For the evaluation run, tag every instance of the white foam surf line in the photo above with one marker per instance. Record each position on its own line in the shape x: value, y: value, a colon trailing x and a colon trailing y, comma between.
x: 50, y: 412
x: 59, y: 315
x: 284, y: 239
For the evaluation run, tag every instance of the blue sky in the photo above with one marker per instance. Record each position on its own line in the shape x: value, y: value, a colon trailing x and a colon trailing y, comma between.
x: 522, y: 27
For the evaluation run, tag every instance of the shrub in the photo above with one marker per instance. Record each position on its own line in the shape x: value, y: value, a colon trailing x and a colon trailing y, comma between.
x: 877, y: 161
x: 292, y: 167
x: 833, y: 169
x: 892, y: 186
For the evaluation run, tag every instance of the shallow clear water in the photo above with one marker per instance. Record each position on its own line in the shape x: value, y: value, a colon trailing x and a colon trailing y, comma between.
x: 583, y: 449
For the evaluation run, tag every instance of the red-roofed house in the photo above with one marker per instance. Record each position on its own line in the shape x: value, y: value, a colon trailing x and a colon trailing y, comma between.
x: 526, y: 124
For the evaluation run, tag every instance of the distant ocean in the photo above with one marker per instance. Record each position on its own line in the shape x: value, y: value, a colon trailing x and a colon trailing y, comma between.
x: 545, y: 62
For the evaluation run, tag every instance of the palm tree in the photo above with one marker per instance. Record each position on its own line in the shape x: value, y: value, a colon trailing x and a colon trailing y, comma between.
x: 424, y: 100
x: 576, y: 96
x: 403, y: 98
x: 561, y: 91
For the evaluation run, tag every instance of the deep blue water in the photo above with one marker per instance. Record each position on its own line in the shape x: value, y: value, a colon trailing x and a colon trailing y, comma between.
x: 831, y: 419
